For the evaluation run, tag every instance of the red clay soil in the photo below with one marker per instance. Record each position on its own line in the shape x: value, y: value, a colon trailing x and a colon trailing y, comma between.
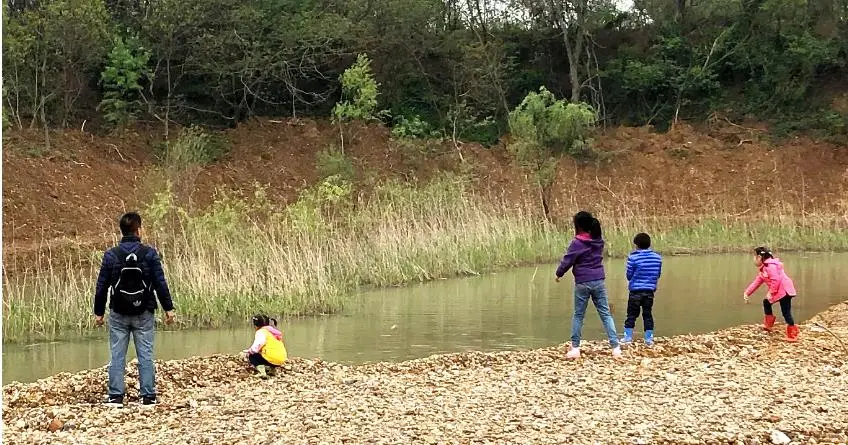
x: 718, y: 171
x: 282, y: 156
x: 74, y: 189
x: 72, y: 193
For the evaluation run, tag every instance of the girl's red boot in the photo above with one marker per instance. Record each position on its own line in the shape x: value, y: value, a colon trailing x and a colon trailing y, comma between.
x: 768, y: 322
x: 792, y: 333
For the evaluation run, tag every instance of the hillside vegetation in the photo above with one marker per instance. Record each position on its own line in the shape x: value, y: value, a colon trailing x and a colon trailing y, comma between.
x: 444, y: 67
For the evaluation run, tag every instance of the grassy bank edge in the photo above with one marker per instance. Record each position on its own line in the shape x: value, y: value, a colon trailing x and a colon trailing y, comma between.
x: 319, y: 254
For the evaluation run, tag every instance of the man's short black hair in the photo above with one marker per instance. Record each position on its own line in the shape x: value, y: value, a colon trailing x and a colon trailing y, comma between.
x: 642, y: 240
x: 130, y: 223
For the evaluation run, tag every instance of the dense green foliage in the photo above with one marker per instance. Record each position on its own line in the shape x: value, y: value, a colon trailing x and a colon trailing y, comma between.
x: 551, y: 125
x: 443, y: 66
x: 121, y: 78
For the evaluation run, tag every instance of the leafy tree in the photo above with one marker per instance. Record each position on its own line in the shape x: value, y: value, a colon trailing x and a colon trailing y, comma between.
x: 653, y: 88
x: 544, y: 128
x: 359, y: 92
x: 576, y: 21
x: 551, y: 124
x: 454, y: 67
x: 359, y: 95
x: 121, y: 80
x: 50, y: 54
x: 267, y: 55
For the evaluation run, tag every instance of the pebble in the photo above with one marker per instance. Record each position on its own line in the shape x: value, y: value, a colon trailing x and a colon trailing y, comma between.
x: 779, y: 438
x: 55, y: 425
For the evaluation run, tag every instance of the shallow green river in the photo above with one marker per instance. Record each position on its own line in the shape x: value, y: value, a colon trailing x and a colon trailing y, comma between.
x: 516, y: 309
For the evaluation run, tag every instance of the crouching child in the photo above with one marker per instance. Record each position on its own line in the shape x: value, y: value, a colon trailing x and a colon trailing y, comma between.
x: 268, y: 350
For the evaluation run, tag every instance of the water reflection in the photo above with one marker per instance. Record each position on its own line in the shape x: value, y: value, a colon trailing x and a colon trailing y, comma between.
x: 517, y: 309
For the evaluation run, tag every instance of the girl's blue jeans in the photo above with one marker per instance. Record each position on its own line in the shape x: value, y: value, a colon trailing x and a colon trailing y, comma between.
x: 597, y: 292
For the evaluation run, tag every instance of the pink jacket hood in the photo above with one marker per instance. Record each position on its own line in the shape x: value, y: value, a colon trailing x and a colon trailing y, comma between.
x: 260, y: 338
x: 774, y: 276
x: 275, y: 332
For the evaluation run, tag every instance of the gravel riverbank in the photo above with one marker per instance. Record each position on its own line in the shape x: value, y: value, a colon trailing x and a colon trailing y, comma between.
x: 739, y: 385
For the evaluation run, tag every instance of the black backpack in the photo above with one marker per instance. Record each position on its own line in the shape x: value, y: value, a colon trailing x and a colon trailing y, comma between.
x: 132, y: 289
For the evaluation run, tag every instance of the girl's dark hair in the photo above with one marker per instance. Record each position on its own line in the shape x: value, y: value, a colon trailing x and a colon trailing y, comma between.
x: 763, y: 252
x: 261, y: 320
x: 585, y: 222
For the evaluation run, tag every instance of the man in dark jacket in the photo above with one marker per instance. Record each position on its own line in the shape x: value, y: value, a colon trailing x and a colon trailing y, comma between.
x: 131, y: 311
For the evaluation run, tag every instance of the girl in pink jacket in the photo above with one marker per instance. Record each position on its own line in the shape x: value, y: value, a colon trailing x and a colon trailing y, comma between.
x: 780, y: 289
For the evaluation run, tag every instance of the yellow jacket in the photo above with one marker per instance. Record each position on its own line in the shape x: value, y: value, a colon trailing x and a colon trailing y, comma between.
x: 268, y: 342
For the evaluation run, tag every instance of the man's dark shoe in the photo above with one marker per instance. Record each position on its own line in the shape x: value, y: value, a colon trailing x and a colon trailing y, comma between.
x: 114, y: 401
x: 148, y: 400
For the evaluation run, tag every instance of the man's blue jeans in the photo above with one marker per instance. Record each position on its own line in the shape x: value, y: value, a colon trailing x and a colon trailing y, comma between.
x: 141, y: 327
x: 597, y: 291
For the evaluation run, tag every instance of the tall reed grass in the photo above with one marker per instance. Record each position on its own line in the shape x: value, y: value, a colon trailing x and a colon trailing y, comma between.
x: 244, y: 255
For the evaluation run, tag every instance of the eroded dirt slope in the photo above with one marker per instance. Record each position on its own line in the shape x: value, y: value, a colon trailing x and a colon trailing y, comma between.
x: 72, y: 193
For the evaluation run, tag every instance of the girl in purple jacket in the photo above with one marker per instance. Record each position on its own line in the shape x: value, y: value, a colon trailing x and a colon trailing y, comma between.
x: 585, y: 259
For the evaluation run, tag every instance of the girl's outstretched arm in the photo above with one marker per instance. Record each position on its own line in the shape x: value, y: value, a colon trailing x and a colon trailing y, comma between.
x: 574, y: 251
x: 754, y: 285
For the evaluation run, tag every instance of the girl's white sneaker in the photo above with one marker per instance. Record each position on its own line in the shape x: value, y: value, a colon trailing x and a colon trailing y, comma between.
x: 573, y: 353
x: 616, y: 353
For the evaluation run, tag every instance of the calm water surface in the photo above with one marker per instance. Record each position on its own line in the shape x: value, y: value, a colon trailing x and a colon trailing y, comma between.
x: 517, y: 309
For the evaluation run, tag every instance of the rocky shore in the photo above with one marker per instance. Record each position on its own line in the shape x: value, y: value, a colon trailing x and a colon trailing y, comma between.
x: 739, y: 385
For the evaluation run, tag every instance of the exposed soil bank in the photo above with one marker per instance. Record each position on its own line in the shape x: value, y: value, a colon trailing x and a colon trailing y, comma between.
x: 85, y: 181
x: 734, y: 386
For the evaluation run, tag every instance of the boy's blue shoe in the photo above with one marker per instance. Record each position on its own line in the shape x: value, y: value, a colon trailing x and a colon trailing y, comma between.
x: 628, y: 335
x: 649, y: 338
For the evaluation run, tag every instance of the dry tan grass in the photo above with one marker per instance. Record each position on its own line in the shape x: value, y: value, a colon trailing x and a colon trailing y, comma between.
x: 244, y: 255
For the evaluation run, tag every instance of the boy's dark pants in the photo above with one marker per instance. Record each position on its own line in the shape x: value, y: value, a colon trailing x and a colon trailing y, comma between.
x: 640, y: 300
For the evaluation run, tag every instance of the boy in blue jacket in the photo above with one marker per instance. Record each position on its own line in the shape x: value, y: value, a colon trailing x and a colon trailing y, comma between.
x: 644, y: 267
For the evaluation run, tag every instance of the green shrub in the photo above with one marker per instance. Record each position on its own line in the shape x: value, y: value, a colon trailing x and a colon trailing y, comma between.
x: 466, y: 125
x: 544, y: 128
x: 194, y: 146
x: 413, y: 128
x: 333, y: 162
x: 359, y: 92
x: 829, y: 125
x: 36, y: 151
x: 553, y: 125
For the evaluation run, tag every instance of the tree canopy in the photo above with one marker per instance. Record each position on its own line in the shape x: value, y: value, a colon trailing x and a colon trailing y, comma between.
x: 447, y: 64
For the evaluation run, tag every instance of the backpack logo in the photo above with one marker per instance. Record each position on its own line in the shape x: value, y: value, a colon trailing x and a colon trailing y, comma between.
x: 131, y: 289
